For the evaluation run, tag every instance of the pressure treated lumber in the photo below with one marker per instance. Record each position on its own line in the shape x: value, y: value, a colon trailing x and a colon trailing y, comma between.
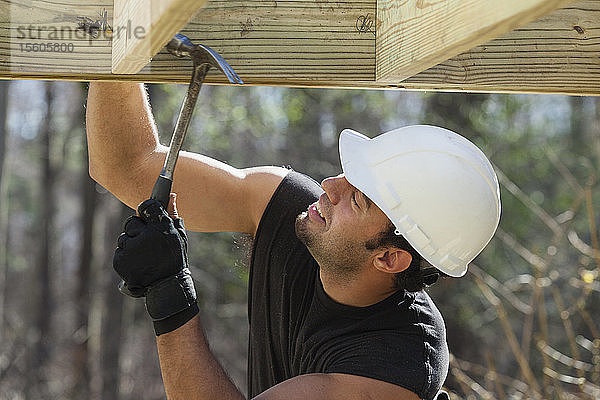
x: 413, y: 36
x: 558, y: 53
x: 308, y: 44
x: 144, y: 27
x: 284, y: 42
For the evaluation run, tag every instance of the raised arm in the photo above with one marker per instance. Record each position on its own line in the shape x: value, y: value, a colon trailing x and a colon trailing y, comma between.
x: 126, y: 157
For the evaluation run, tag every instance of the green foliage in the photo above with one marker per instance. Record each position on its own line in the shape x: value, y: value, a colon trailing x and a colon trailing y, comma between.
x: 533, y: 143
x: 538, y: 276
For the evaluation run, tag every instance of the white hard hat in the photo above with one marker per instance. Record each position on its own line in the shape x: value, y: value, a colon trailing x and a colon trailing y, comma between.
x: 438, y: 189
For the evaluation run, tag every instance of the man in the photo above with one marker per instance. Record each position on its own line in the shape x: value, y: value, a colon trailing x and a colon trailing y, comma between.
x: 335, y: 302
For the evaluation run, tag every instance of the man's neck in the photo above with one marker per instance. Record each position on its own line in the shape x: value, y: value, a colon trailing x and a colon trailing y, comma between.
x: 363, y: 290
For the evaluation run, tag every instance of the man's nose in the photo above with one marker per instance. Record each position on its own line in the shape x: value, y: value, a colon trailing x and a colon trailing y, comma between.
x: 334, y: 187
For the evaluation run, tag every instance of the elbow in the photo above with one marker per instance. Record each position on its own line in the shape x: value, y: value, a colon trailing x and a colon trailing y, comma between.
x: 93, y: 172
x: 96, y: 168
x: 111, y: 180
x: 104, y: 174
x: 99, y: 175
x: 127, y: 179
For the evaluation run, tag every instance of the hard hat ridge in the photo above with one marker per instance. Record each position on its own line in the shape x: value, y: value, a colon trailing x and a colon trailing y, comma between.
x: 438, y: 189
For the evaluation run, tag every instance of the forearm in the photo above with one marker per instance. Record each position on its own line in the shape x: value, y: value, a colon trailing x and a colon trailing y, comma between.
x: 189, y: 369
x: 122, y: 137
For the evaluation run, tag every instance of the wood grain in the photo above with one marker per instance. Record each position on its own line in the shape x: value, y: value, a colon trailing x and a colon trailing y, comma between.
x: 46, y: 24
x: 415, y: 35
x: 148, y: 26
x: 558, y: 53
x: 291, y: 42
x: 316, y: 44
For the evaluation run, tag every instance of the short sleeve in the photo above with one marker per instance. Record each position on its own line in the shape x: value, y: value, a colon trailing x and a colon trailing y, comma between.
x: 414, y: 357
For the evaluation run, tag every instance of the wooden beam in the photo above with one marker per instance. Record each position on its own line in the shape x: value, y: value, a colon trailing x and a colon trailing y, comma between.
x: 413, y: 36
x: 142, y: 27
x: 304, y: 43
x: 288, y: 42
x: 556, y: 54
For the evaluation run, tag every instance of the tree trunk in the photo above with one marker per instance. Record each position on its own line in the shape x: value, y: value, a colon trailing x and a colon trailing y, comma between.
x: 3, y: 201
x: 81, y: 370
x: 578, y: 125
x: 43, y: 297
x: 112, y: 329
x: 3, y: 127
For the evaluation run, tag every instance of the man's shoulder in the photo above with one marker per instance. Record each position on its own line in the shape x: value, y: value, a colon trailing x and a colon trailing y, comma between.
x: 293, y: 195
x: 300, y: 185
x: 427, y: 311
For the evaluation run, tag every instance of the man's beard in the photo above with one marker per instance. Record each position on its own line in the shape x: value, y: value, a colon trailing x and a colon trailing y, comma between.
x: 338, y: 260
x: 302, y: 231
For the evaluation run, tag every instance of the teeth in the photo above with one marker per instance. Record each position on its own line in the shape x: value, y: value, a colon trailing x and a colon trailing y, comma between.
x: 319, y: 210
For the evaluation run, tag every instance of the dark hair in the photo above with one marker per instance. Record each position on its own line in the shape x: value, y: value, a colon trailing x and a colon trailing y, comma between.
x: 419, y: 274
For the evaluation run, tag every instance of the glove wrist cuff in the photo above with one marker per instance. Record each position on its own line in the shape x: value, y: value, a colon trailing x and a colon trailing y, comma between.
x: 168, y: 298
x: 175, y: 321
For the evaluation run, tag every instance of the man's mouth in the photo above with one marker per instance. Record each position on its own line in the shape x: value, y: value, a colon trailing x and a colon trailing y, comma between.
x: 319, y: 209
x: 314, y: 211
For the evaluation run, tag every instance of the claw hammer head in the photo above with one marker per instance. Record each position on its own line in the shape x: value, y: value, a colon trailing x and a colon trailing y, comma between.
x: 182, y: 46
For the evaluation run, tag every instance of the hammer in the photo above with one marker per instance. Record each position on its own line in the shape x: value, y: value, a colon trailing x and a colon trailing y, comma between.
x: 203, y: 58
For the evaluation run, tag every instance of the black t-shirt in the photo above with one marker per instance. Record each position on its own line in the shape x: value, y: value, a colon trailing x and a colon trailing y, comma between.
x: 296, y: 328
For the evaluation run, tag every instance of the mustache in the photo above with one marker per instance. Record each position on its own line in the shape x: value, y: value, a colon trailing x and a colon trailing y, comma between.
x: 325, y: 205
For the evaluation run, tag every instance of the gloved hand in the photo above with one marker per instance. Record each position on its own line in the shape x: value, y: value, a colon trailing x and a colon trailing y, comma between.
x: 151, y: 258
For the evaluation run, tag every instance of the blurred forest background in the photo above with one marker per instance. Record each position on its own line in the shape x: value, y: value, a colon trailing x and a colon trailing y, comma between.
x: 524, y: 323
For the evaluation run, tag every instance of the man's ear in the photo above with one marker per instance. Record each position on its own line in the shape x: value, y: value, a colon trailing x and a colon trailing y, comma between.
x: 392, y: 260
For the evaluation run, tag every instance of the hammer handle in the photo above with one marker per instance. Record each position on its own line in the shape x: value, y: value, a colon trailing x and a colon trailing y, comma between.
x: 162, y: 190
x: 162, y: 187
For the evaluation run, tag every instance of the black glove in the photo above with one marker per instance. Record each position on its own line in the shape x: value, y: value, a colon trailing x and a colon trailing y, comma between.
x: 151, y: 258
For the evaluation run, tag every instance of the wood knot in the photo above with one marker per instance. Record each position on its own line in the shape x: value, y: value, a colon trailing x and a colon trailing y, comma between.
x: 578, y: 29
x: 245, y: 28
